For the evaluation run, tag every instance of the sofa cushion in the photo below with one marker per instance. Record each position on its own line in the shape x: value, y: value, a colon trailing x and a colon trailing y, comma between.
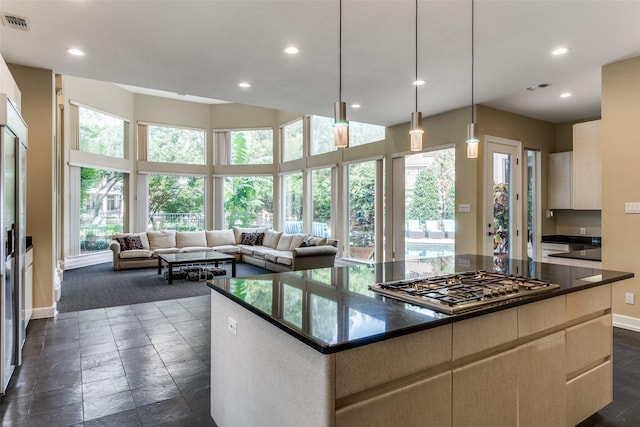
x: 142, y: 236
x: 316, y: 241
x: 285, y: 242
x: 227, y: 249
x: 246, y: 249
x: 285, y: 260
x: 136, y: 253
x: 190, y: 238
x: 297, y: 240
x: 161, y: 239
x: 271, y: 238
x: 237, y: 231
x: 220, y: 237
x: 158, y: 251
x: 195, y: 249
x: 253, y: 239
x: 261, y: 251
x: 274, y: 255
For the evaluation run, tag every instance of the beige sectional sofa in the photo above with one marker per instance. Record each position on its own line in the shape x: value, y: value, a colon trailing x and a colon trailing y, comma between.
x: 266, y: 248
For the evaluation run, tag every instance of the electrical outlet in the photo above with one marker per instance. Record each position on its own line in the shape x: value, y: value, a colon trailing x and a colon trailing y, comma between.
x: 583, y: 231
x: 233, y: 326
x: 629, y: 298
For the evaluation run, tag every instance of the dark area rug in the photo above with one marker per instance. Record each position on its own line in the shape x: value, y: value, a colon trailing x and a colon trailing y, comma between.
x: 98, y: 286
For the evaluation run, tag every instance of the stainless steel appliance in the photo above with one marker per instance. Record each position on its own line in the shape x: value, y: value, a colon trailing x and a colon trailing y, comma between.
x: 13, y: 145
x: 455, y: 293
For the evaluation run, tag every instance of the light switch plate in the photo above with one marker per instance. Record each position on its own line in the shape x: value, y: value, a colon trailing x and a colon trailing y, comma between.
x: 632, y: 208
x: 233, y: 326
x: 464, y: 207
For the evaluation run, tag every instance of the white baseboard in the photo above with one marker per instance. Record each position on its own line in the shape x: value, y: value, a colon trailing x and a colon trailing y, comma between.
x: 44, y: 312
x: 626, y: 322
x: 88, y: 259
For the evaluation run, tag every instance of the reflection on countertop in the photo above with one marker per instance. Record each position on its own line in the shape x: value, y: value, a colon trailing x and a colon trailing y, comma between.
x: 333, y: 309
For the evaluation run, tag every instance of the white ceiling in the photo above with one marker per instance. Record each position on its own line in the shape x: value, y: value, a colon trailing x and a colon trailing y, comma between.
x: 205, y: 48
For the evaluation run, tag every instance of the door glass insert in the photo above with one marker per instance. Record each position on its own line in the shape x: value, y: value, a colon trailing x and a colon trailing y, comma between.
x: 501, y: 221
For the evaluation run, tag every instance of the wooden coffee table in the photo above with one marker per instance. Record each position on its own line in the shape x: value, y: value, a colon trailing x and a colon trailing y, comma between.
x: 183, y: 258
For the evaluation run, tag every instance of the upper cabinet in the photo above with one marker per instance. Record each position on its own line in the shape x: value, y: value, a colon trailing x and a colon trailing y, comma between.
x: 575, y: 177
x: 587, y: 166
x: 560, y: 181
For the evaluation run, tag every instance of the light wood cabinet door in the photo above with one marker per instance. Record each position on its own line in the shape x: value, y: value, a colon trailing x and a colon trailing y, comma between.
x: 587, y: 166
x: 560, y: 193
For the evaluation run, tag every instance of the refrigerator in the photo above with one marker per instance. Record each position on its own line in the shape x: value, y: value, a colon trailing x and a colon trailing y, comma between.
x: 13, y: 146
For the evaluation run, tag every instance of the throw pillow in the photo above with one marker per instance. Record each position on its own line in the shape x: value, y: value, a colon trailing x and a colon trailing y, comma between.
x: 252, y: 239
x: 123, y: 243
x: 133, y: 242
x: 259, y: 239
x: 248, y: 239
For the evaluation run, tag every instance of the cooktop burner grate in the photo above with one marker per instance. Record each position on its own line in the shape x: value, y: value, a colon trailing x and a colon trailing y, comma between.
x: 458, y: 292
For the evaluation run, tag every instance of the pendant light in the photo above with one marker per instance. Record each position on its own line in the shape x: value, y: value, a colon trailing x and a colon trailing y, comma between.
x: 416, y: 117
x: 341, y: 124
x: 472, y: 139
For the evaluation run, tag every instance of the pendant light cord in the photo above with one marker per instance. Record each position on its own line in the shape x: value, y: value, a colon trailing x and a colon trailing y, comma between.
x: 340, y: 55
x: 416, y: 80
x: 472, y: 59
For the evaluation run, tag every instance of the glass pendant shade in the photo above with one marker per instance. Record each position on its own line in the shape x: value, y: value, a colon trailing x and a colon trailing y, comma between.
x: 472, y: 141
x: 416, y: 131
x: 341, y: 125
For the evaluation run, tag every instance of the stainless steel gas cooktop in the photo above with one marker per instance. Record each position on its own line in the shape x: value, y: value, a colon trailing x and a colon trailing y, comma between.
x: 455, y: 293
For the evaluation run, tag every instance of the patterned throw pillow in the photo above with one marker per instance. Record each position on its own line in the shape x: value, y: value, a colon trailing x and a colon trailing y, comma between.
x: 252, y: 239
x: 259, y: 239
x: 123, y: 243
x: 133, y: 242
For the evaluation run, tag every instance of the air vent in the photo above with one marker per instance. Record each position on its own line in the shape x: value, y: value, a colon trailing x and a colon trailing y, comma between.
x: 15, y: 22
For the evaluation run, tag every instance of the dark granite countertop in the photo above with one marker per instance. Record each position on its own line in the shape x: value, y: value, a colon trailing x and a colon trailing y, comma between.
x: 577, y: 242
x: 594, y: 254
x: 332, y: 309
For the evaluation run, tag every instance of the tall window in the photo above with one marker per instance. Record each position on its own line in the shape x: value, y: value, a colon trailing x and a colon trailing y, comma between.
x: 292, y: 193
x: 364, y: 133
x: 359, y: 134
x: 292, y: 141
x: 101, y: 133
x: 362, y: 203
x: 176, y: 145
x: 102, y: 206
x: 248, y: 201
x: 321, y: 199
x: 321, y: 135
x: 251, y: 146
x: 430, y: 204
x: 176, y: 203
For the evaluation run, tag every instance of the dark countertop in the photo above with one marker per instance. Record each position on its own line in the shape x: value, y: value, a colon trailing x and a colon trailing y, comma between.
x: 594, y: 254
x: 576, y: 241
x: 332, y: 309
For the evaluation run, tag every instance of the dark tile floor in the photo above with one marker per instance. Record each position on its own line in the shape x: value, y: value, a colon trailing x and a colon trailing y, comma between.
x: 143, y: 364
x: 148, y: 365
x: 625, y: 408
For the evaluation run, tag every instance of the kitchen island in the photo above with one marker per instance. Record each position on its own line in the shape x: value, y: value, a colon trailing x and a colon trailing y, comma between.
x: 319, y: 348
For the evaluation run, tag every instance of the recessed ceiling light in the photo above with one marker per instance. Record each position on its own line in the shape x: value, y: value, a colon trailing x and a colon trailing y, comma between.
x: 560, y: 51
x: 75, y: 52
x: 419, y: 82
x: 244, y: 84
x: 565, y: 95
x: 355, y: 105
x: 291, y: 50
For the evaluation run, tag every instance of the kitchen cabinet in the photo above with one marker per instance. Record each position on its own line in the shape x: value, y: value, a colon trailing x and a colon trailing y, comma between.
x: 560, y: 192
x: 587, y: 166
x: 575, y: 177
